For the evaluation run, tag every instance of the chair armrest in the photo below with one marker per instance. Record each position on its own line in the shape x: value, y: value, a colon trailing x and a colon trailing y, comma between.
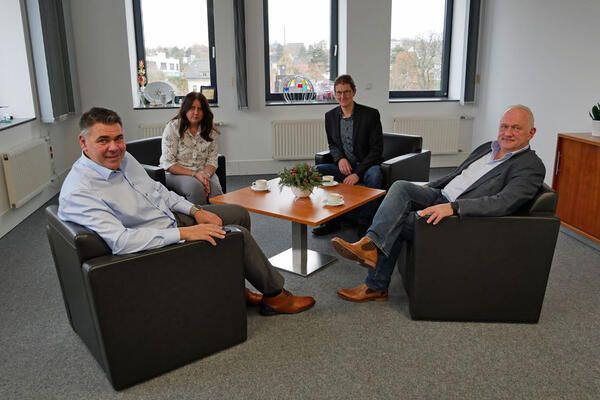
x: 222, y: 172
x: 323, y: 157
x: 480, y: 268
x: 408, y: 167
x: 156, y: 173
x: 159, y: 309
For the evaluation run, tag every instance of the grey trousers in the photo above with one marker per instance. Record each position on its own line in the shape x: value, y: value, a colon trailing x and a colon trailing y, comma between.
x: 191, y: 188
x: 257, y: 268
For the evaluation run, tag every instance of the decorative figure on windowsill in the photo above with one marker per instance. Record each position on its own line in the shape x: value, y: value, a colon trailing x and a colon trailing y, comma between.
x: 141, y: 81
x: 302, y: 179
x: 298, y: 89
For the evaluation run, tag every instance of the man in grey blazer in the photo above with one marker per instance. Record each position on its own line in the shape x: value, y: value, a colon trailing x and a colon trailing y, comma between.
x: 496, y: 179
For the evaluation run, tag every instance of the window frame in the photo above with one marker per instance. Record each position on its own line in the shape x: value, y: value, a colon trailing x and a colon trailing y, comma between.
x: 333, y: 50
x: 140, y: 47
x: 445, y: 75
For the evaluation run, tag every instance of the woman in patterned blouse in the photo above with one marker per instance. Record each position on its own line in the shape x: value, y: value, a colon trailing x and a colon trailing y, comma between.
x: 189, y: 151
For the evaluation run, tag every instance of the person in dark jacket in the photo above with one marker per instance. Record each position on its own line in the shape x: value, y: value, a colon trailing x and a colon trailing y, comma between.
x: 355, y: 139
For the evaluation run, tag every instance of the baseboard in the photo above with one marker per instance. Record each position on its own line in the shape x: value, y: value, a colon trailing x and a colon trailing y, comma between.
x: 14, y: 216
x: 580, y: 238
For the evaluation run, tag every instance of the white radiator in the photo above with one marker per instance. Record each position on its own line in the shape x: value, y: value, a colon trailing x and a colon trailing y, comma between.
x: 151, y: 130
x: 298, y: 140
x: 157, y: 129
x: 27, y: 171
x: 440, y: 135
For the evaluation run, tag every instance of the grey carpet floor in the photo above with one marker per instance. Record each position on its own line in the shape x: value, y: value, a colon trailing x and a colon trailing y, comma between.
x: 335, y: 350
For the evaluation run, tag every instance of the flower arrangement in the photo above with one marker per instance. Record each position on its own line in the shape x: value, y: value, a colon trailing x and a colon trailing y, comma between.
x: 141, y: 74
x: 301, y: 176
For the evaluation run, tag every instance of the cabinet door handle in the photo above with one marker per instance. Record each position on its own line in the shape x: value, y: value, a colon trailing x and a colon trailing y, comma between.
x: 557, y: 169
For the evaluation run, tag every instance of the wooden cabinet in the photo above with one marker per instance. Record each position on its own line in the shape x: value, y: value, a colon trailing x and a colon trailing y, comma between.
x: 577, y: 181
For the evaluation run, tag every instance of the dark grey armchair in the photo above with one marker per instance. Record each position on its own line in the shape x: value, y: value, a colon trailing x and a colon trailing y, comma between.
x: 148, y: 150
x: 143, y: 314
x: 482, y: 269
x: 404, y: 158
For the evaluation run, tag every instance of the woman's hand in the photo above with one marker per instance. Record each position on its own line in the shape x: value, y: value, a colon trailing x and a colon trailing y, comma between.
x: 204, y: 178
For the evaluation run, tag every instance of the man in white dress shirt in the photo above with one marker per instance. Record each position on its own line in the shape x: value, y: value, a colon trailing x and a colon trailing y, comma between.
x: 109, y: 192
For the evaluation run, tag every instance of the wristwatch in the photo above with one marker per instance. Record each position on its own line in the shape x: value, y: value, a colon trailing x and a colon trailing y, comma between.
x: 194, y: 210
x: 454, y: 206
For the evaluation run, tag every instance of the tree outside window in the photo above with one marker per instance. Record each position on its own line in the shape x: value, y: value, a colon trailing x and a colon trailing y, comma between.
x: 420, y: 48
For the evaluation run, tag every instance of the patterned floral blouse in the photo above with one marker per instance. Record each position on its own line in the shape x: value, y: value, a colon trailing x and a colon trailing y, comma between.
x: 191, y: 152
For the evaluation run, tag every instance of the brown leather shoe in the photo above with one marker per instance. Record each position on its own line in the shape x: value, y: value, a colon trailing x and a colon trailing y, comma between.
x: 285, y: 303
x: 252, y: 298
x: 362, y: 293
x: 364, y: 251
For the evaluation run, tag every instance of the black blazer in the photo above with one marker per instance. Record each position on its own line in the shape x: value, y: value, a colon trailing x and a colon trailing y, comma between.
x: 503, y: 190
x: 367, y: 135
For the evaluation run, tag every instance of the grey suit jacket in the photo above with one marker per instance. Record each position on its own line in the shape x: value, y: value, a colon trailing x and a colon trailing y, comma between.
x: 504, y: 189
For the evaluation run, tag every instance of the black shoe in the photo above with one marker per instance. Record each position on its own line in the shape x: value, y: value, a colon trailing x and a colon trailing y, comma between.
x: 326, y: 228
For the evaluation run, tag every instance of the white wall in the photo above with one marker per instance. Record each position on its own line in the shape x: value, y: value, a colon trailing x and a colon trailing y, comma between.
x: 544, y: 54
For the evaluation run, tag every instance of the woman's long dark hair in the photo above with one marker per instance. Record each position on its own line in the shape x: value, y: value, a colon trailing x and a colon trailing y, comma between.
x: 207, y: 118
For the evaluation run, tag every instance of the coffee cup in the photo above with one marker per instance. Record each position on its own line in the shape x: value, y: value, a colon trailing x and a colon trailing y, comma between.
x: 334, y: 199
x: 327, y: 179
x: 260, y: 184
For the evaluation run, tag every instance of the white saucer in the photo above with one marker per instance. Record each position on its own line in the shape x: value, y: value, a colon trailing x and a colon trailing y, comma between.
x: 259, y: 190
x: 326, y: 203
x: 329, y: 184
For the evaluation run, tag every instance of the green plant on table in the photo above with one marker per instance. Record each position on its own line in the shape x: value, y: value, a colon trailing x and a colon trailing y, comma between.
x: 302, y: 176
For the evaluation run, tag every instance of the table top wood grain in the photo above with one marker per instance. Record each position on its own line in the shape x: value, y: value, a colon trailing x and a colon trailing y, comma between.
x: 309, y: 210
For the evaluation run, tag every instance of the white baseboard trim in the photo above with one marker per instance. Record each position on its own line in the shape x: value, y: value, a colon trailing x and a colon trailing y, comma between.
x: 14, y: 216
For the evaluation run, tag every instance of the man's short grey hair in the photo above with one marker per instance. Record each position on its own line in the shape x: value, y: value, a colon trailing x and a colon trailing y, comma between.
x: 524, y: 108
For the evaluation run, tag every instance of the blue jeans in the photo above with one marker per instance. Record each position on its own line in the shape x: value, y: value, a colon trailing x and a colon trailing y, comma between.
x: 372, y: 178
x: 394, y: 223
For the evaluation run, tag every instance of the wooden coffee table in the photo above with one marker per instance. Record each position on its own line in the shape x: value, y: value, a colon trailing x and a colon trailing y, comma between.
x: 301, y: 212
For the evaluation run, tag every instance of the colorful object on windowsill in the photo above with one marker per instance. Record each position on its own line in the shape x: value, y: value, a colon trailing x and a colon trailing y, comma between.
x: 141, y: 74
x: 302, y: 176
x: 298, y: 89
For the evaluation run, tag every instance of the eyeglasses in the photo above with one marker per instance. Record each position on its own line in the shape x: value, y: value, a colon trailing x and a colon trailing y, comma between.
x: 343, y: 93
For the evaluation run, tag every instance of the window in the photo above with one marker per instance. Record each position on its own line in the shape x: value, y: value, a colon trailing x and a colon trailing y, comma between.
x: 300, y: 46
x: 175, y: 40
x: 16, y: 97
x: 420, y: 48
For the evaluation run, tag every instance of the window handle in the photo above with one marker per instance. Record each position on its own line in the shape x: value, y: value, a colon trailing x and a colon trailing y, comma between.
x: 213, y: 52
x: 335, y: 50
